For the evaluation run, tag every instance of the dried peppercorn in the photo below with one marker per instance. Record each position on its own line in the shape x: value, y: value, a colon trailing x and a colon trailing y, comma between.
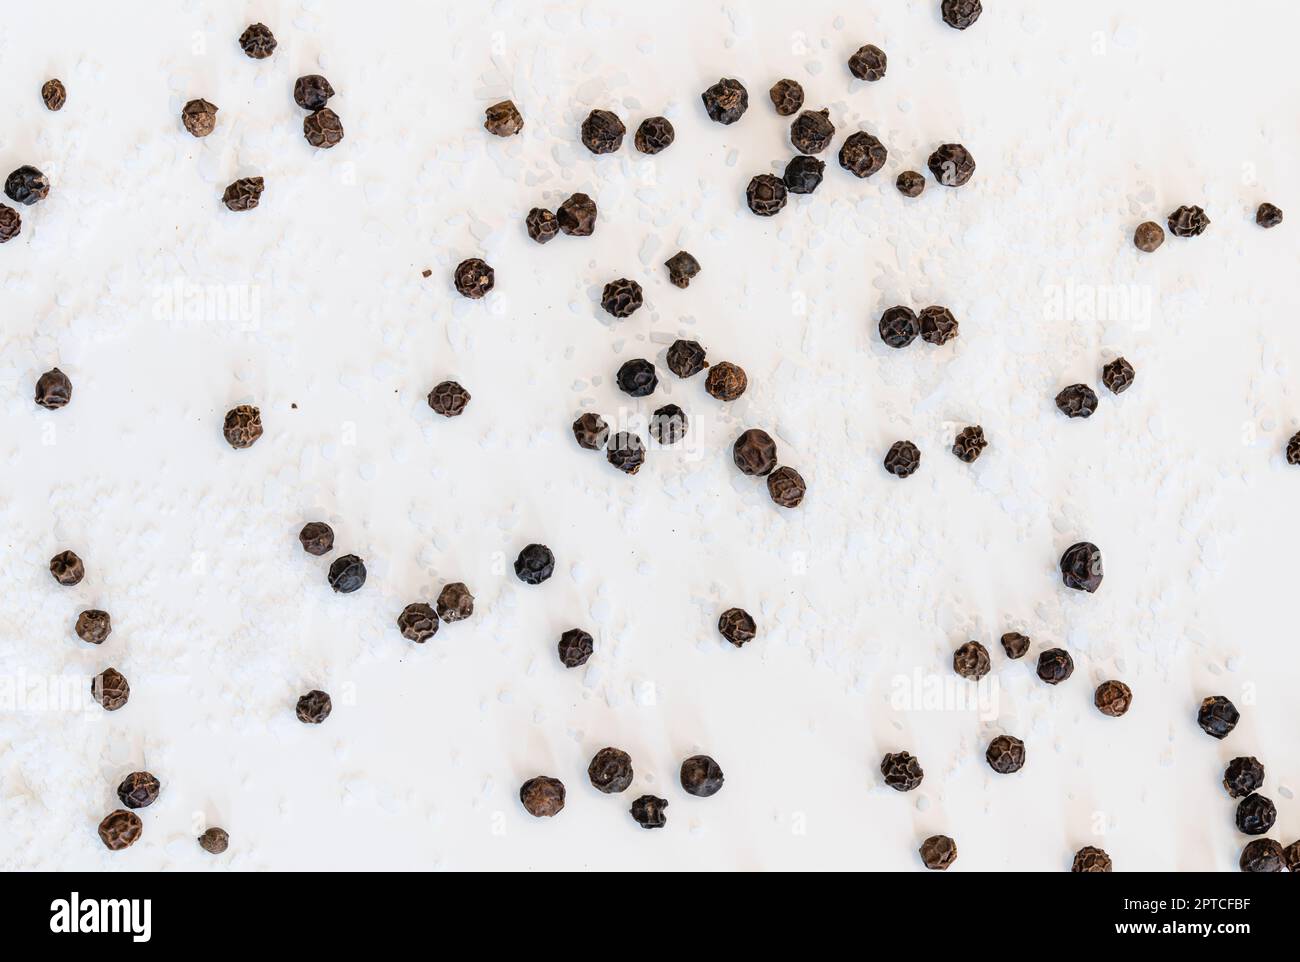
x: 347, y: 574
x: 27, y: 185
x: 868, y: 63
x: 626, y: 451
x: 910, y: 184
x: 787, y: 97
x: 1005, y: 754
x: 653, y: 135
x: 242, y: 426
x: 971, y: 661
x: 803, y: 174
x: 110, y: 689
x: 1243, y: 776
x: 726, y: 381
x: 503, y: 119
x: 54, y: 94
x: 902, y: 771
x: 577, y: 216
x: 67, y: 568
x: 53, y: 389
x: 737, y: 626
x: 258, y: 41
x: 701, y: 776
x: 1291, y: 855
x: 1188, y: 222
x: 1081, y: 567
x: 969, y: 443
x: 1055, y: 665
x: 1077, y: 401
x: 1255, y: 815
x: 1217, y: 716
x: 244, y: 194
x: 862, y: 155
x: 681, y: 268
x: 1113, y: 698
x: 754, y: 452
x: 668, y: 425
x: 960, y: 14
x: 94, y: 626
x: 938, y: 326
x: 637, y: 377
x: 899, y: 326
x: 1118, y: 375
x: 474, y: 277
x: 317, y: 538
x: 786, y: 487
x: 765, y: 195
x: 1268, y: 215
x: 951, y: 165
x: 1091, y: 859
x: 591, y: 431
x: 1263, y: 855
x: 610, y: 771
x: 322, y: 128
x: 120, y: 829
x: 648, y: 810
x: 448, y: 399
x: 455, y: 603
x: 602, y: 132
x: 1015, y: 644
x: 418, y: 622
x: 313, y: 707
x: 575, y: 647
x: 812, y: 131
x: 1293, y: 449
x: 726, y: 101
x: 902, y: 459
x: 199, y: 117
x: 542, y: 224
x: 535, y: 564
x: 214, y: 841
x: 139, y: 790
x: 686, y: 358
x: 1148, y: 236
x: 312, y: 91
x: 622, y: 297
x: 938, y: 852
x: 542, y: 796
x: 11, y: 223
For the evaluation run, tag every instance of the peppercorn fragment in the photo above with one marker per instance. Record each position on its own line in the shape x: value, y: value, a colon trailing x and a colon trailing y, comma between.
x: 726, y: 381
x: 1263, y: 855
x: 868, y: 63
x: 242, y: 426
x: 653, y: 135
x: 473, y: 277
x: 542, y: 797
x: 577, y: 216
x: 312, y: 91
x: 765, y: 195
x: 1243, y: 776
x: 120, y: 829
x: 575, y: 647
x: 786, y: 487
x: 258, y: 41
x: 1217, y: 716
x: 1113, y: 698
x: 27, y: 185
x: 214, y: 841
x: 622, y: 297
x: 726, y: 101
x: 448, y: 399
x: 67, y: 568
x: 910, y: 183
x: 938, y: 852
x: 94, y: 626
x: 139, y: 790
x: 862, y: 154
x: 1268, y: 215
x: 668, y: 424
x: 1148, y: 236
x: 1118, y: 375
x: 626, y: 452
x: 969, y: 443
x: 648, y: 810
x: 686, y: 358
x: 54, y: 94
x: 812, y: 131
x: 535, y: 564
x: 1081, y: 567
x: 610, y: 771
x: 1091, y: 859
x: 53, y: 389
x: 701, y: 776
x: 1015, y: 644
x: 637, y: 377
x: 323, y: 128
x: 199, y: 117
x: 418, y: 622
x: 1005, y: 754
x: 1077, y: 401
x: 787, y: 97
x: 1055, y: 665
x: 110, y: 689
x: 803, y: 174
x: 899, y: 326
x: 455, y: 603
x: 951, y: 165
x: 542, y: 224
x: 1188, y: 222
x: 1293, y: 449
x: 681, y: 268
x: 902, y: 459
x: 902, y: 771
x: 602, y: 132
x: 938, y: 326
x: 971, y: 661
x: 317, y: 538
x: 347, y: 574
x: 313, y: 707
x: 244, y: 194
x: 1255, y: 815
x: 737, y: 626
x: 591, y: 431
x: 503, y: 119
x: 754, y: 452
x: 11, y: 223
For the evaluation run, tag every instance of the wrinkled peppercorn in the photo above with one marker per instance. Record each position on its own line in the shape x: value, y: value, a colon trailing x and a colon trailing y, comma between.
x: 726, y: 381
x: 1148, y: 236
x: 1077, y: 401
x: 786, y: 487
x: 902, y: 459
x: 1055, y: 665
x: 11, y: 223
x: 575, y: 647
x: 1118, y: 375
x: 199, y: 117
x: 899, y: 326
x: 622, y: 297
x: 754, y: 452
x: 701, y: 776
x: 535, y: 564
x: 542, y: 224
x: 53, y: 389
x: 242, y: 426
x: 938, y: 852
x: 637, y: 377
x: 1081, y: 567
x: 1188, y: 222
x: 418, y: 622
x: 902, y: 771
x: 1268, y: 216
x: 55, y: 94
x: 110, y: 689
x: 313, y: 707
x: 347, y: 574
x: 1113, y: 698
x: 803, y: 174
x: 737, y: 626
x: 971, y: 661
x: 317, y: 538
x: 610, y: 771
x: 969, y: 443
x: 812, y: 131
x: 94, y: 626
x: 1090, y: 859
x: 653, y: 135
x: 1015, y: 644
x: 244, y: 194
x: 765, y: 195
x: 577, y: 216
x: 120, y: 829
x: 868, y: 63
x: 542, y: 797
x: 322, y: 128
x: 938, y: 326
x: 455, y: 603
x: 67, y: 568
x: 669, y: 424
x: 626, y: 452
x: 591, y: 431
x: 27, y: 185
x: 1293, y: 449
x: 910, y: 184
x: 1255, y: 815
x: 787, y: 97
x: 139, y: 790
x: 1291, y: 854
x: 681, y: 268
x: 1005, y: 754
x: 1243, y: 776
x: 1217, y: 716
x: 503, y: 119
x: 648, y: 810
x: 951, y: 165
x: 602, y: 132
x: 686, y: 358
x: 312, y: 91
x: 214, y: 841
x: 448, y: 399
x: 474, y: 277
x: 1263, y: 855
x: 960, y: 14
x: 726, y: 101
x: 257, y: 41
x: 862, y: 154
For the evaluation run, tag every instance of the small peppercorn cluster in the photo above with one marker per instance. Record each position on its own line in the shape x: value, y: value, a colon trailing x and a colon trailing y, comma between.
x: 27, y: 185
x: 1080, y: 400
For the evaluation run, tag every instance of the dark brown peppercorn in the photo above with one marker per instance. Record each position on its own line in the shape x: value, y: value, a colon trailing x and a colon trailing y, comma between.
x: 868, y: 63
x: 1255, y: 815
x: 971, y: 661
x: 754, y: 452
x: 94, y: 626
x: 899, y: 326
x: 669, y: 424
x: 681, y: 268
x: 960, y: 14
x: 1015, y: 644
x: 244, y: 194
x: 27, y: 185
x: 862, y: 154
x: 591, y: 431
x: 626, y: 452
x: 648, y: 810
x: 11, y: 223
x: 786, y: 487
x: 812, y: 131
x: 139, y: 790
x: 67, y: 568
x: 1148, y: 236
x: 322, y: 128
x: 448, y: 399
x: 53, y: 389
x: 726, y: 381
x: 726, y: 101
x: 910, y: 184
x: 653, y: 135
x: 503, y: 119
x: 199, y: 117
x: 120, y: 829
x: 1081, y: 567
x: 1005, y: 754
x: 577, y: 216
x: 701, y: 776
x: 1055, y: 665
x: 1217, y: 716
x: 803, y: 174
x: 214, y: 841
x: 455, y: 603
x: 622, y: 297
x: 903, y: 459
x: 637, y: 377
x: 938, y: 852
x: 257, y: 41
x: 1077, y: 401
x: 1293, y: 449
x: 969, y: 443
x: 347, y: 574
x: 54, y: 94
x: 1291, y: 854
x: 1113, y: 698
x: 542, y: 224
x: 951, y: 165
x: 1118, y: 375
x: 902, y: 771
x: 1263, y: 855
x: 575, y: 647
x: 535, y: 564
x: 765, y: 195
x: 787, y: 97
x: 1090, y: 859
x: 1266, y: 216
x: 542, y: 797
x: 1243, y: 776
x: 473, y: 277
x: 938, y: 326
x: 1188, y: 222
x: 610, y: 771
x: 110, y: 689
x: 242, y: 426
x: 418, y: 622
x: 314, y: 707
x: 737, y: 626
x: 602, y: 132
x: 312, y: 91
x: 686, y: 358
x: 317, y: 538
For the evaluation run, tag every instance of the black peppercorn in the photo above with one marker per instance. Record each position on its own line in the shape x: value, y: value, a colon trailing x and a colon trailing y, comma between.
x: 312, y: 91
x: 94, y: 626
x: 258, y: 41
x: 575, y: 647
x: 626, y: 452
x: 1081, y: 567
x: 726, y: 381
x: 53, y: 389
x: 67, y: 568
x: 1148, y: 236
x: 1243, y: 776
x: 199, y: 117
x: 902, y: 459
x: 669, y: 424
x: 244, y: 194
x: 474, y: 277
x: 1263, y: 855
x: 602, y: 132
x: 754, y: 452
x: 648, y: 810
x: 1091, y: 859
x: 610, y: 771
x: 653, y: 135
x: 1268, y: 216
x: 969, y: 443
x: 1118, y: 375
x: 1291, y: 854
x: 951, y: 165
x: 503, y: 119
x: 542, y: 224
x: 812, y: 131
x: 787, y: 97
x: 322, y: 128
x: 577, y: 216
x: 418, y: 622
x: 686, y: 358
x: 681, y: 268
x: 701, y: 776
x: 347, y: 574
x: 786, y: 487
x: 455, y: 603
x: 1113, y: 698
x: 765, y: 195
x: 910, y: 184
x: 960, y: 14
x: 110, y: 689
x: 317, y: 538
x: 938, y: 852
x: 1217, y: 716
x: 862, y: 155
x: 1055, y: 665
x: 535, y: 564
x: 55, y: 94
x: 242, y: 426
x: 1005, y: 754
x: 622, y: 297
x: 803, y: 174
x: 868, y: 63
x: 214, y: 841
x: 1188, y: 222
x: 120, y: 829
x: 1255, y: 815
x: 542, y: 797
x: 1015, y: 644
x: 938, y: 326
x: 27, y: 185
x: 902, y: 771
x: 899, y: 326
x: 313, y: 707
x: 591, y: 431
x: 1077, y: 401
x: 737, y: 626
x: 971, y: 661
x: 1293, y: 449
x: 448, y: 399
x: 11, y: 223
x: 637, y: 377
x: 139, y: 790
x: 726, y: 101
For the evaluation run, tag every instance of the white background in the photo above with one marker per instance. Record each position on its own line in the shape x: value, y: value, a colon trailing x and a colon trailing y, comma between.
x: 1085, y: 120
